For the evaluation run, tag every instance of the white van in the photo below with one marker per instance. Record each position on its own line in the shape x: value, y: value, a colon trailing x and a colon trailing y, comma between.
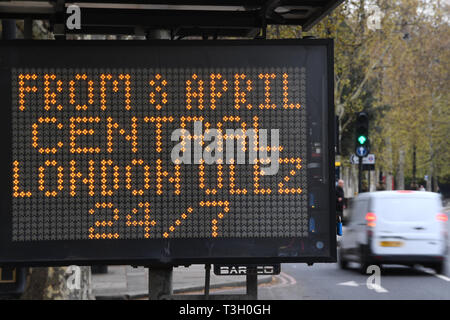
x: 395, y: 227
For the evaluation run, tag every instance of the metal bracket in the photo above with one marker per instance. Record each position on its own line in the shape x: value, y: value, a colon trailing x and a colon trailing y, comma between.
x: 12, y: 282
x: 11, y: 279
x: 268, y: 12
x: 28, y: 28
x: 59, y: 23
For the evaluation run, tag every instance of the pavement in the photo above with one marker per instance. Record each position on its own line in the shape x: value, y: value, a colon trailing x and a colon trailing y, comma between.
x: 126, y: 282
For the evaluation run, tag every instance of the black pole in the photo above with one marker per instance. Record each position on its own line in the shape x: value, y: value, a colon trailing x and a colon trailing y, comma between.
x: 160, y: 283
x: 360, y: 174
x: 207, y: 280
x: 252, y: 286
x: 414, y: 167
x: 28, y: 28
x: 8, y: 29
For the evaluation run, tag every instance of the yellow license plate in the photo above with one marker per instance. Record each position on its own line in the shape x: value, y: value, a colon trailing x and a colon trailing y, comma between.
x: 391, y: 243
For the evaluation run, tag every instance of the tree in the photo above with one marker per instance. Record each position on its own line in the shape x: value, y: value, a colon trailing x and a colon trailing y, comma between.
x: 52, y: 284
x: 399, y: 74
x: 414, y: 86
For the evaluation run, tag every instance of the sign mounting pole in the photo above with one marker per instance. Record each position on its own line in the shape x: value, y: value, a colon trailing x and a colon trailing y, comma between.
x: 159, y: 282
x: 160, y: 278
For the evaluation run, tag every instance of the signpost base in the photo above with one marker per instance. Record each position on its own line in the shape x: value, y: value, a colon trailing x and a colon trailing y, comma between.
x: 160, y: 287
x: 160, y: 283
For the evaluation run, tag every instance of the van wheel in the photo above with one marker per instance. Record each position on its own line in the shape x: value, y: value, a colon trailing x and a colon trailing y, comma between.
x: 342, y: 262
x: 438, y: 267
x: 363, y: 267
x: 363, y: 262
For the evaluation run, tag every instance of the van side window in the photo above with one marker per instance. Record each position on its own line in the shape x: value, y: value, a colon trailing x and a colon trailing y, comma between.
x: 359, y: 217
x: 349, y: 211
x: 354, y: 211
x: 364, y: 209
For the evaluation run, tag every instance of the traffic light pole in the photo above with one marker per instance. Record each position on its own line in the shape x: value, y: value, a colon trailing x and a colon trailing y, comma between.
x: 362, y: 142
x: 360, y: 160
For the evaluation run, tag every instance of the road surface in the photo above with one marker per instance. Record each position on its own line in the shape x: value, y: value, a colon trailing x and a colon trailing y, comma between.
x: 328, y: 281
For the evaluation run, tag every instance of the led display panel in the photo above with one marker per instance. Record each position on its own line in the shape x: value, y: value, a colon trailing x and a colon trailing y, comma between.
x: 168, y: 152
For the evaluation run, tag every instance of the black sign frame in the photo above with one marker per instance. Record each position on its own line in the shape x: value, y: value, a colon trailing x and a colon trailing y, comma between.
x: 164, y: 251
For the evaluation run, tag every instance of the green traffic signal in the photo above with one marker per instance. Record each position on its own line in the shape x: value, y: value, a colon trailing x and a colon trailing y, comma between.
x: 362, y: 139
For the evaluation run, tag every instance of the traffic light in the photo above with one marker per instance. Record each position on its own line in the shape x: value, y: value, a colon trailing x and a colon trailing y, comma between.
x: 362, y: 134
